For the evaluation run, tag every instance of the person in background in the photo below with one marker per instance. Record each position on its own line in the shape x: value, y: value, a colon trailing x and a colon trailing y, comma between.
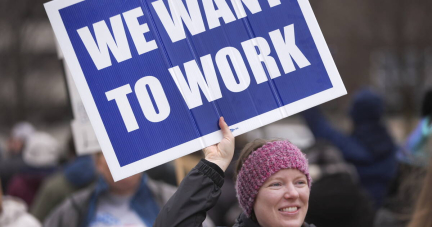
x: 12, y: 161
x: 41, y: 155
x: 19, y: 135
x: 134, y: 202
x: 337, y: 199
x: 272, y: 185
x: 413, y: 160
x: 370, y: 147
x: 415, y: 151
x: 77, y: 174
x: 13, y: 213
x: 422, y: 215
x: 165, y: 173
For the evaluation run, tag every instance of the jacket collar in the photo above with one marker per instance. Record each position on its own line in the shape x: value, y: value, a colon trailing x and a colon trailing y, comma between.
x: 142, y: 202
x: 244, y: 221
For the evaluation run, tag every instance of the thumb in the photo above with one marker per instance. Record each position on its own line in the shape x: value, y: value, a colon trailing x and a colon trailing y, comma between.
x: 226, y: 132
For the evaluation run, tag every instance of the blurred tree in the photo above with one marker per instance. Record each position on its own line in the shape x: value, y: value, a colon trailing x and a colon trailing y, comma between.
x: 381, y: 42
x: 403, y: 30
x: 31, y: 80
x: 385, y: 43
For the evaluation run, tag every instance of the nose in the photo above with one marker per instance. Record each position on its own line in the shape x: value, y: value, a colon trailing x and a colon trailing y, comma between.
x: 291, y: 192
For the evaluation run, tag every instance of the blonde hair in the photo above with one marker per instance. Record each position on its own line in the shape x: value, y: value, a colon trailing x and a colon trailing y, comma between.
x: 422, y: 215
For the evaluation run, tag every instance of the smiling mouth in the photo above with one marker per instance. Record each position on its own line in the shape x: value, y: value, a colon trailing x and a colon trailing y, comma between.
x: 289, y: 209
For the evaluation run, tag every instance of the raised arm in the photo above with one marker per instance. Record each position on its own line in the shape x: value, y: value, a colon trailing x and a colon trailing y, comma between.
x: 349, y: 147
x: 200, y: 189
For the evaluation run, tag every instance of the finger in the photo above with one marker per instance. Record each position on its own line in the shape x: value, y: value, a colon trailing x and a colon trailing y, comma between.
x: 226, y: 132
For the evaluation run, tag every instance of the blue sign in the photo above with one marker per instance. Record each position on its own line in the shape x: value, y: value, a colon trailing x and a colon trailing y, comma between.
x: 156, y: 75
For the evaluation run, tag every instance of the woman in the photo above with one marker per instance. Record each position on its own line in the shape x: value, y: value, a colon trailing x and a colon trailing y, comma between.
x: 273, y: 185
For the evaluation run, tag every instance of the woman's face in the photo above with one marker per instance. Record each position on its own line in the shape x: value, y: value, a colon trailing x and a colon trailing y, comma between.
x: 282, y: 200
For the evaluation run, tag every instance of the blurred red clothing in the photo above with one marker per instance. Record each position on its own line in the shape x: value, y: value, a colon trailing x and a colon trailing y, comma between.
x: 25, y: 186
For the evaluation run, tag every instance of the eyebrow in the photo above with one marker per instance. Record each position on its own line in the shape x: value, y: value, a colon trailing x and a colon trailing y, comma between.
x: 304, y: 177
x: 295, y: 178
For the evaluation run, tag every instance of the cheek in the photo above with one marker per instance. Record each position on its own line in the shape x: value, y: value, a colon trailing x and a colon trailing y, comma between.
x: 130, y: 181
x: 263, y: 207
x: 267, y: 199
x: 304, y: 195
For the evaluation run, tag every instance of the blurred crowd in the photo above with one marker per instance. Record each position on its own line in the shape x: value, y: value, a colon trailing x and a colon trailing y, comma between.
x: 361, y: 178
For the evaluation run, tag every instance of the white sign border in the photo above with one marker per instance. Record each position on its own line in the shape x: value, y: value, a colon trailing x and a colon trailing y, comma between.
x: 52, y: 8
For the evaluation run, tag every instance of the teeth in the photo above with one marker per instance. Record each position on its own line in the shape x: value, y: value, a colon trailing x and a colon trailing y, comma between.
x: 289, y: 209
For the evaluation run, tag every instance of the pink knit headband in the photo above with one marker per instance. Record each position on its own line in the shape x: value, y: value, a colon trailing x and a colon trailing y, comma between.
x: 263, y: 163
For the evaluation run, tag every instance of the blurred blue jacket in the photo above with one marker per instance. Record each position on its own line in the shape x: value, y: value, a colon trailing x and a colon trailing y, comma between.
x: 80, y: 208
x: 81, y: 171
x: 369, y: 148
x: 143, y: 202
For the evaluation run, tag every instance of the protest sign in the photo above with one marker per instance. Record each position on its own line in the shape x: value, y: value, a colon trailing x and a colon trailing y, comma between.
x: 156, y: 75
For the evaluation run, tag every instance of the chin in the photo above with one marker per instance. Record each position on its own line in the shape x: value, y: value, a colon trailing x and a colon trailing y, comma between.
x: 291, y: 223
x: 283, y: 223
x: 126, y: 185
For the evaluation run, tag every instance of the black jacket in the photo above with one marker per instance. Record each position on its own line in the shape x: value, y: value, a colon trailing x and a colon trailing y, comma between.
x: 198, y: 193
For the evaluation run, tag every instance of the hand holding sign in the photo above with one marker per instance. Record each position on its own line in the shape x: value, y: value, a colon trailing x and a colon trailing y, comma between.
x: 222, y: 153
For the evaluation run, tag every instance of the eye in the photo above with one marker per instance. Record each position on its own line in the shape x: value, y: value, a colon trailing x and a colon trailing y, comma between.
x: 275, y: 184
x: 301, y: 182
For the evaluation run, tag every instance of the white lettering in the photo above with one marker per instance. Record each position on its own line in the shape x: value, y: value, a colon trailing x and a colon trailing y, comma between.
x: 191, y: 93
x: 274, y: 3
x: 286, y: 48
x: 173, y: 24
x: 120, y: 96
x: 239, y: 67
x: 213, y: 15
x: 255, y: 60
x: 159, y: 96
x: 252, y: 5
x: 119, y: 47
x: 136, y: 30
